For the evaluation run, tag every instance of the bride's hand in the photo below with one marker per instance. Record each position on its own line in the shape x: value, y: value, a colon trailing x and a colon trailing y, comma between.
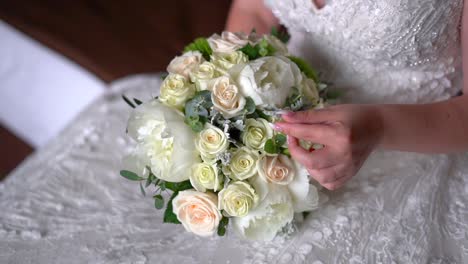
x: 348, y: 132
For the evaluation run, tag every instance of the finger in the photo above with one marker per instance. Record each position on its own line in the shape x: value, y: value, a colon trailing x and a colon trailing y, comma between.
x: 311, y: 132
x: 311, y: 116
x: 327, y: 175
x: 318, y: 159
x: 337, y: 184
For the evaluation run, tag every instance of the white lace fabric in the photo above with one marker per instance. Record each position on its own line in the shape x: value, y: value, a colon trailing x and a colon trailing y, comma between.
x: 401, y: 51
x: 67, y: 203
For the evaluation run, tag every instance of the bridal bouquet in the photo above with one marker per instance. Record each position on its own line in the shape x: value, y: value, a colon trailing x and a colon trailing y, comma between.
x: 206, y: 145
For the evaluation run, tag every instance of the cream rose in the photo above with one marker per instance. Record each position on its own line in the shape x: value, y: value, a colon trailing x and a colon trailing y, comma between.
x: 264, y: 222
x: 309, y: 89
x: 225, y: 61
x: 211, y: 142
x: 175, y: 91
x: 226, y: 97
x: 243, y: 164
x: 203, y: 74
x: 228, y: 42
x: 165, y: 142
x: 197, y: 212
x: 256, y: 133
x: 268, y: 80
x: 278, y: 45
x: 278, y: 169
x: 237, y: 199
x: 205, y: 176
x: 185, y: 64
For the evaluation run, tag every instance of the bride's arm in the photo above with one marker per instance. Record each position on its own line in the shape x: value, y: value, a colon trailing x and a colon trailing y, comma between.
x: 351, y: 132
x: 245, y: 15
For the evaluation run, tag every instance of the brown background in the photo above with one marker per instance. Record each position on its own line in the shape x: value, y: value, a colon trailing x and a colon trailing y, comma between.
x: 110, y: 38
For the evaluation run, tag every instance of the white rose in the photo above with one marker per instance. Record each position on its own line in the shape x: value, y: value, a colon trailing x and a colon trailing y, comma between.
x: 203, y: 74
x: 228, y: 42
x: 205, y: 176
x: 273, y: 213
x: 165, y: 142
x: 175, y: 91
x: 225, y: 61
x: 278, y: 45
x: 237, y: 199
x: 256, y: 133
x: 197, y: 212
x: 278, y: 169
x: 226, y: 97
x: 185, y: 64
x: 309, y: 89
x: 268, y: 80
x: 243, y: 164
x: 211, y: 142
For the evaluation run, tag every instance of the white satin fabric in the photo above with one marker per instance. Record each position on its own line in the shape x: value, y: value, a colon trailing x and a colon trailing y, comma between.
x: 67, y: 203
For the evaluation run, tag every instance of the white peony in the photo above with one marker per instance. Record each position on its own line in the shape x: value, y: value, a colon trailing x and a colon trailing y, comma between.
x: 268, y: 80
x: 226, y: 97
x: 165, y: 142
x: 175, y: 91
x: 185, y: 64
x: 198, y: 212
x: 265, y: 221
x: 228, y: 42
x: 211, y: 142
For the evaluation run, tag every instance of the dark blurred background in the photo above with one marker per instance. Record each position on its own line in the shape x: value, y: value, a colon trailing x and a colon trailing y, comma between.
x: 109, y: 38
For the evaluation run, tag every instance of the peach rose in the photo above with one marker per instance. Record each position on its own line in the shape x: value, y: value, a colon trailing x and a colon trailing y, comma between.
x: 197, y: 211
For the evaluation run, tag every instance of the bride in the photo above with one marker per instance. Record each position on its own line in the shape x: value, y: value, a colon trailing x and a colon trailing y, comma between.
x: 399, y: 64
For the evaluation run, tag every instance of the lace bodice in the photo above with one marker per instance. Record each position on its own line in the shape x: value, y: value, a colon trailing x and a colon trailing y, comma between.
x: 379, y: 51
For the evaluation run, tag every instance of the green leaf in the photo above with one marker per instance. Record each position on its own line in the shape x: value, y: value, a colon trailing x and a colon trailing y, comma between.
x: 178, y: 186
x: 270, y: 147
x: 169, y: 216
x: 305, y: 68
x: 201, y: 45
x: 138, y: 102
x: 282, y: 35
x: 142, y: 189
x: 128, y: 101
x: 149, y: 180
x: 261, y: 114
x: 130, y: 175
x: 249, y: 106
x: 332, y: 95
x: 285, y: 151
x: 158, y: 201
x: 280, y: 139
x: 162, y: 185
x: 250, y: 51
x: 222, y: 226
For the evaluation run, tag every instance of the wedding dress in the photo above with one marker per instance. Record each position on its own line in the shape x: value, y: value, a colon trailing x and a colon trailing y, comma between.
x: 67, y: 203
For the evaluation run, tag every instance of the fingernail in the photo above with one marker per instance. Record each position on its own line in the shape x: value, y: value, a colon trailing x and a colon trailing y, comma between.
x: 276, y: 127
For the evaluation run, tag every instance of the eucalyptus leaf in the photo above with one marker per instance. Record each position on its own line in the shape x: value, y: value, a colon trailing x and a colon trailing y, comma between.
x: 280, y: 139
x: 249, y: 106
x: 130, y: 175
x: 158, y: 201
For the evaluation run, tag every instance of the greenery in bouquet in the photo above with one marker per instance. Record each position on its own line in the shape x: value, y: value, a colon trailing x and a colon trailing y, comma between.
x: 208, y: 138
